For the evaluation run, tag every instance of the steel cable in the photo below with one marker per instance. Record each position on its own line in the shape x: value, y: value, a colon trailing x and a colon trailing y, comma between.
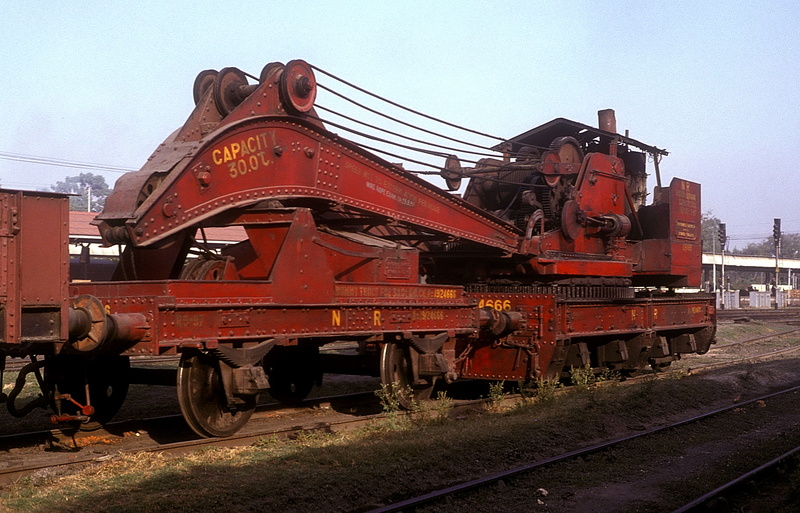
x: 426, y: 151
x: 405, y: 108
x: 400, y: 121
x: 397, y: 134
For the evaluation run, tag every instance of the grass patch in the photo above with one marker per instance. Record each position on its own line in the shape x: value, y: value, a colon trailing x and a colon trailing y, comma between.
x: 364, y: 468
x: 730, y: 332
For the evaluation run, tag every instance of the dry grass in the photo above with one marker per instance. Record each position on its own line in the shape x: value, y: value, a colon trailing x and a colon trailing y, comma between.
x: 356, y: 470
x: 364, y: 469
x: 733, y: 332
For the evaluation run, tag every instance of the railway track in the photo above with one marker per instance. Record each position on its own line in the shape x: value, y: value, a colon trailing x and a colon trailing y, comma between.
x: 760, y: 314
x: 736, y: 490
x: 270, y: 420
x: 618, y: 444
x: 722, y: 353
x: 169, y: 434
x: 316, y: 416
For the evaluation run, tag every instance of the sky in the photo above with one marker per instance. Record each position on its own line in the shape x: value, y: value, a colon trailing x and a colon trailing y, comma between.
x: 717, y: 84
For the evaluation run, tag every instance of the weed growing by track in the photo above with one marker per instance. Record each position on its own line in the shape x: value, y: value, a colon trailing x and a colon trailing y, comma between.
x: 387, y: 461
x: 381, y: 463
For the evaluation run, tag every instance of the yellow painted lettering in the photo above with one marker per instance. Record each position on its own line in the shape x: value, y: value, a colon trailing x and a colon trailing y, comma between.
x: 336, y: 317
x: 376, y: 317
x: 252, y: 145
x: 217, y: 156
x: 236, y: 148
x: 226, y: 154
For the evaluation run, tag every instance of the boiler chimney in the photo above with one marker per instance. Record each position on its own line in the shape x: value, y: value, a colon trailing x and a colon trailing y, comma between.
x: 607, y: 121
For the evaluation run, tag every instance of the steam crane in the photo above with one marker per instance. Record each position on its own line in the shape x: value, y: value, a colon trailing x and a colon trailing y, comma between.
x: 550, y: 260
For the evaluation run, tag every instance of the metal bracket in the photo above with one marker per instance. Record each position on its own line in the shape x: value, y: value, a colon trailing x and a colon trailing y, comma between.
x: 241, y: 371
x: 428, y: 345
x: 243, y: 357
x: 431, y: 362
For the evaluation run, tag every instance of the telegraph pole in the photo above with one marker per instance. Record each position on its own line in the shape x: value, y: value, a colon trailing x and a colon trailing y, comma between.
x: 723, y: 238
x: 714, y: 264
x: 776, y: 234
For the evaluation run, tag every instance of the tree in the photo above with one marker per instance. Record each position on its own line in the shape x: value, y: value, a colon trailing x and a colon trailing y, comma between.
x: 790, y: 247
x: 710, y: 233
x: 83, y: 185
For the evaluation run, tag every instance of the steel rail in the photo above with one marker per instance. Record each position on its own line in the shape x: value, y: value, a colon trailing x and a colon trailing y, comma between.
x: 726, y: 363
x: 21, y: 439
x: 493, y: 478
x: 756, y: 339
x: 18, y: 439
x: 701, y: 503
x: 772, y: 314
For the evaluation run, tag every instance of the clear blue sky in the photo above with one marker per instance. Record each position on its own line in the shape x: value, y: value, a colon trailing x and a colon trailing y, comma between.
x: 715, y: 83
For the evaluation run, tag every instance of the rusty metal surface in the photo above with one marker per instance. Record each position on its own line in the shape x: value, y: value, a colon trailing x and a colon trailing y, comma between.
x: 532, y: 272
x: 34, y: 266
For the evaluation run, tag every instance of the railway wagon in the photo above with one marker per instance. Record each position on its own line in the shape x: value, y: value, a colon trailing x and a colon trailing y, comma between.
x: 547, y: 252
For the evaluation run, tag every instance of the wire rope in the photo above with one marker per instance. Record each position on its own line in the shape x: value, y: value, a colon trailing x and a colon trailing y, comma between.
x: 404, y: 107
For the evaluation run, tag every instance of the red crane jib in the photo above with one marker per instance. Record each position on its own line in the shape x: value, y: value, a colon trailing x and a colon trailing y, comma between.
x: 296, y: 163
x: 290, y: 160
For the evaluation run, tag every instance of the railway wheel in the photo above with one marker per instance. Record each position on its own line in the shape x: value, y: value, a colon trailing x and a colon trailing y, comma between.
x: 397, y: 377
x: 202, y: 398
x: 104, y: 377
x: 293, y: 371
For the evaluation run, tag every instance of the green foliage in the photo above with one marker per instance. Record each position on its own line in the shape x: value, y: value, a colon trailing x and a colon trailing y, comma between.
x: 546, y: 389
x: 388, y: 395
x: 582, y: 377
x: 741, y: 280
x: 327, y: 472
x: 709, y: 233
x: 82, y: 185
x: 443, y: 407
x: 790, y: 247
x: 609, y: 376
x: 497, y: 392
x: 541, y: 390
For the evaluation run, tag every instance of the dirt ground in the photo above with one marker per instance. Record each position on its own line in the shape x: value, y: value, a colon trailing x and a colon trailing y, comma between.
x: 654, y: 475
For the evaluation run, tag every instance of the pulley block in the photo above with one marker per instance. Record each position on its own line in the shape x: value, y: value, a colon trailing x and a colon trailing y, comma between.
x: 451, y: 172
x: 205, y: 79
x: 298, y: 87
x: 230, y: 89
x: 269, y: 71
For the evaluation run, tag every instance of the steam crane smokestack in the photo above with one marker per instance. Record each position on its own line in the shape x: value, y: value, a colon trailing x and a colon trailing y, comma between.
x: 607, y: 121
